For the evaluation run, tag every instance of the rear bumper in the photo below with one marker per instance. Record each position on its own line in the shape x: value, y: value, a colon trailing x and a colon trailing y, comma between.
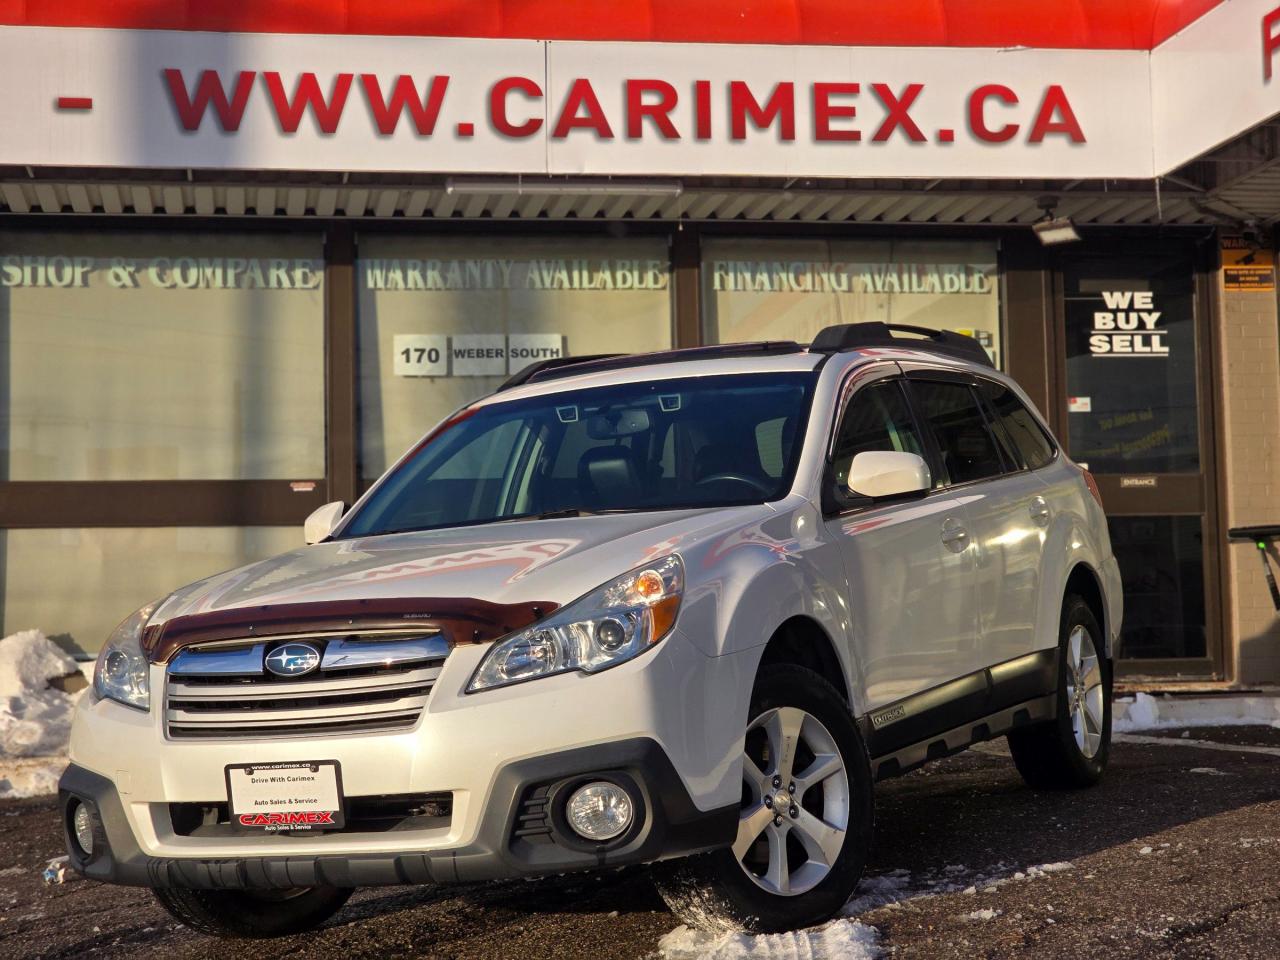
x: 668, y: 824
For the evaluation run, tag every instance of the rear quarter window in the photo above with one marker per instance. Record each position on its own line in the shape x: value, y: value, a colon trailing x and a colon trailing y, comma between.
x: 1021, y: 426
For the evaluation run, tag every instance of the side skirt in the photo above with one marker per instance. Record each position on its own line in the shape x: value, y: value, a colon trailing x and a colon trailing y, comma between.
x: 961, y: 738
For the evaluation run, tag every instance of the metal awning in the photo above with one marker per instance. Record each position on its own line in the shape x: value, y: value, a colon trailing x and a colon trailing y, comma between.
x: 324, y: 195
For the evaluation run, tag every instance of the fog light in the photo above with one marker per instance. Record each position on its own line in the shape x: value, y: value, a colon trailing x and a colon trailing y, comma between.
x: 82, y: 824
x: 599, y: 810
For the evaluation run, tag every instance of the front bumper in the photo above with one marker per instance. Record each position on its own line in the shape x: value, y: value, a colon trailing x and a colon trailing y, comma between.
x: 669, y: 724
x: 668, y: 825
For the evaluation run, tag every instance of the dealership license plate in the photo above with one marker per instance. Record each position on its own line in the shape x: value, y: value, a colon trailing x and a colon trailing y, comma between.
x: 306, y: 795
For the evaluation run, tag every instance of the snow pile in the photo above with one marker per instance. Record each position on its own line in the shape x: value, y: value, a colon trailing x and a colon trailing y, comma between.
x: 1145, y: 712
x: 35, y: 718
x: 837, y: 940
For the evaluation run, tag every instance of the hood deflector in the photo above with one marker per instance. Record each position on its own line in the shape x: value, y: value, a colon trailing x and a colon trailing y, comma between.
x: 458, y: 620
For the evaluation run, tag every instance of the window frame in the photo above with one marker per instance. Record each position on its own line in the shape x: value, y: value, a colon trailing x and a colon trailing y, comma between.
x: 838, y: 503
x: 955, y: 378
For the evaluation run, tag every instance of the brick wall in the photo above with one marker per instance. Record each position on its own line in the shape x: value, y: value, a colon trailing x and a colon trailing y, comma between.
x: 1248, y: 343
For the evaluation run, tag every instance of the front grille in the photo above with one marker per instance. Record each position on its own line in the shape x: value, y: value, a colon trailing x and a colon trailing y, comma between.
x: 365, y: 683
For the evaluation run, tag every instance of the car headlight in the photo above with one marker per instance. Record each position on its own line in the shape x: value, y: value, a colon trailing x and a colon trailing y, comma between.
x: 122, y: 670
x: 609, y: 626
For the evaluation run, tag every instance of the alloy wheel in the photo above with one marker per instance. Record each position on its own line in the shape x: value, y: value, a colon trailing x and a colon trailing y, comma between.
x: 1085, y: 693
x: 795, y: 802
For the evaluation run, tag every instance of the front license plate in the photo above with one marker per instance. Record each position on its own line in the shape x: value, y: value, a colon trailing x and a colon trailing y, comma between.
x: 286, y: 796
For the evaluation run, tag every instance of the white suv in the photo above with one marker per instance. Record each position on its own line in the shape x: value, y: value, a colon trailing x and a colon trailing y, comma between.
x: 687, y: 606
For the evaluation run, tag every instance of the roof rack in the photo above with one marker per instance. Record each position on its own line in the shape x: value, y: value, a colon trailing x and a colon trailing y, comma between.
x: 855, y: 336
x: 525, y: 374
x: 572, y: 366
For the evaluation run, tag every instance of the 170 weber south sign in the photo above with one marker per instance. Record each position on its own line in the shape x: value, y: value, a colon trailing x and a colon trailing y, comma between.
x: 125, y: 98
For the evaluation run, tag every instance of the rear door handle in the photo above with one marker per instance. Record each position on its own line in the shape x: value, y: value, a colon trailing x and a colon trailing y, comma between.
x: 1039, y: 511
x: 954, y: 535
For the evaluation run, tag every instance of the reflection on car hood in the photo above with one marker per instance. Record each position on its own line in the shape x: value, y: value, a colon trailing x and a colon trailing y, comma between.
x: 515, y: 562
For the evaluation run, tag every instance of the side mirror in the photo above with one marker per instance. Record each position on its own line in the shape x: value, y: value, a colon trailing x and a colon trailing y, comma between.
x: 322, y: 522
x: 885, y: 473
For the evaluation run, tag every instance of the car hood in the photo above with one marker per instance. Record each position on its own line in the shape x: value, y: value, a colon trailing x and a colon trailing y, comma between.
x: 502, y: 575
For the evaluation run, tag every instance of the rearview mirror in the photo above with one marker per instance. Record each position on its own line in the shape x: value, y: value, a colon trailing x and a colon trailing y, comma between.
x: 322, y: 522
x: 886, y: 473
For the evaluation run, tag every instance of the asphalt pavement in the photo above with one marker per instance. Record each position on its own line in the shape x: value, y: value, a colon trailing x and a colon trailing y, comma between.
x: 1176, y: 854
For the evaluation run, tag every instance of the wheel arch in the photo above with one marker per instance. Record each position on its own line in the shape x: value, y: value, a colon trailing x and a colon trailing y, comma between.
x: 802, y: 641
x: 1083, y: 581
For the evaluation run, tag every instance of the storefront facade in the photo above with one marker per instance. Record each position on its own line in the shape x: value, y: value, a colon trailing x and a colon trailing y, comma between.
x: 240, y: 305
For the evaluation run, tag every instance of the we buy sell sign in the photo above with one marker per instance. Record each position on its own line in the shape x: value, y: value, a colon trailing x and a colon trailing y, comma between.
x: 141, y: 98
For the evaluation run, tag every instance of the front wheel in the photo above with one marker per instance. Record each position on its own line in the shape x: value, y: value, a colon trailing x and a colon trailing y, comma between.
x: 805, y: 825
x: 252, y: 914
x: 1071, y: 751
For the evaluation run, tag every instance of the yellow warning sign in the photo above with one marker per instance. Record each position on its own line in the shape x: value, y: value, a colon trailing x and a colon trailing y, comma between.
x: 1246, y: 267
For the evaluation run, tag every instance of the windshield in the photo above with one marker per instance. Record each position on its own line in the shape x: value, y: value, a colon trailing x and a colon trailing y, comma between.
x: 694, y: 442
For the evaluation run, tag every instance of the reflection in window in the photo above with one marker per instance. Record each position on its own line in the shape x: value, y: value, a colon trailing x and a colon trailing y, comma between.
x: 444, y: 321
x: 790, y: 289
x: 960, y: 429
x: 146, y: 356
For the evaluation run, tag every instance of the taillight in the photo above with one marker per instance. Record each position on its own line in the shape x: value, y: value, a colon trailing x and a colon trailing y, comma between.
x: 1092, y: 484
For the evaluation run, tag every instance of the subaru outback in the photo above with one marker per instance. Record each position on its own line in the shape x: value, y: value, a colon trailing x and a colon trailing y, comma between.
x: 682, y: 608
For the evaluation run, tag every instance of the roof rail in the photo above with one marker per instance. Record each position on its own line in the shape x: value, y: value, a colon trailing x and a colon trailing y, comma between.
x: 855, y: 336
x: 572, y: 366
x: 525, y: 374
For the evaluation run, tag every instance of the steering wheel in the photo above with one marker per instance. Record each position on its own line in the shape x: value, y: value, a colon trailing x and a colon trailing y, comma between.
x: 757, y: 485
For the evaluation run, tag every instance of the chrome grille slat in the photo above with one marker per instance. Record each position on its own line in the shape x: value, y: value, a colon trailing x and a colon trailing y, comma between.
x: 363, y: 684
x: 257, y: 690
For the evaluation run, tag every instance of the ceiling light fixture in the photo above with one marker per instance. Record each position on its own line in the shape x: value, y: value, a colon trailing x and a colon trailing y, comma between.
x: 1053, y: 230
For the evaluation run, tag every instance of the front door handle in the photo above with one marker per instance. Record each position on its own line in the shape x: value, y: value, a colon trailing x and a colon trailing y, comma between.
x: 954, y: 535
x: 1039, y: 511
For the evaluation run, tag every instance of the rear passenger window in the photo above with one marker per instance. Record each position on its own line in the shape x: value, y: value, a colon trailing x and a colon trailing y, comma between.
x: 968, y: 448
x: 1022, y: 427
x: 877, y: 418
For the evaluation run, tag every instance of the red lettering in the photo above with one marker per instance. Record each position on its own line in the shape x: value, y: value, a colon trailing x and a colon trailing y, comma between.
x: 498, y: 106
x: 659, y: 113
x: 424, y: 110
x: 307, y: 94
x: 582, y: 96
x: 824, y: 111
x: 1055, y: 102
x: 780, y: 105
x: 702, y: 109
x: 977, y: 113
x: 1270, y: 42
x: 191, y: 109
x: 898, y: 115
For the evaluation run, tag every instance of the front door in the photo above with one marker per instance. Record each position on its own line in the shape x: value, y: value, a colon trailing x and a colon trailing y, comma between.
x: 909, y: 563
x: 1136, y: 414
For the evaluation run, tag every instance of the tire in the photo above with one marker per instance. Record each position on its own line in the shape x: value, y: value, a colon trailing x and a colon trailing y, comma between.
x: 1056, y: 755
x: 252, y: 914
x: 719, y: 890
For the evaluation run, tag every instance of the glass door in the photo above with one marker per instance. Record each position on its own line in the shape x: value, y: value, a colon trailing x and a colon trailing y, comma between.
x: 1137, y: 413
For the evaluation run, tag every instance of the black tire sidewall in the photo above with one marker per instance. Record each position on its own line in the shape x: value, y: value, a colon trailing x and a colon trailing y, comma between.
x: 244, y: 914
x: 788, y: 686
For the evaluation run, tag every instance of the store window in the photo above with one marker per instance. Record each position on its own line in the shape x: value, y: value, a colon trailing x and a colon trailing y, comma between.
x: 101, y: 575
x: 1131, y: 365
x: 446, y: 320
x: 768, y: 289
x: 149, y: 356
x: 1162, y: 569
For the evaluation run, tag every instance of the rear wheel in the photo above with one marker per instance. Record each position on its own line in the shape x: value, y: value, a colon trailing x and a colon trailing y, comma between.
x: 805, y: 825
x: 1072, y: 750
x: 252, y: 914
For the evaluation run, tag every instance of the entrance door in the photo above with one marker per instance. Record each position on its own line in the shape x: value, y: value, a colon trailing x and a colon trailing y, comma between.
x: 1135, y: 409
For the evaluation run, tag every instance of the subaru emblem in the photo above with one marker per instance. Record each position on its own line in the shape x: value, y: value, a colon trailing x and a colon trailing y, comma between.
x: 293, y: 659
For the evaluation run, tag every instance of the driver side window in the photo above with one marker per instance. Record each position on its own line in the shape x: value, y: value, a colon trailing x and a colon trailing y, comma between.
x: 877, y: 418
